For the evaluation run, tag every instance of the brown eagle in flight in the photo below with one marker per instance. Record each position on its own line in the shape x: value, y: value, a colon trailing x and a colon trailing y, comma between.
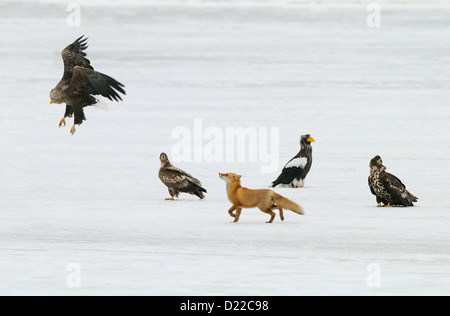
x: 178, y: 180
x: 81, y: 83
x: 388, y: 189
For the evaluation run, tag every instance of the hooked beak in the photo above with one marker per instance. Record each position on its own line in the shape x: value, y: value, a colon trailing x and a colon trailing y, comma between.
x: 311, y: 140
x: 52, y: 101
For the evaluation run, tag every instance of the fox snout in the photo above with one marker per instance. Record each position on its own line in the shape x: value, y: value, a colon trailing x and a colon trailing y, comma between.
x: 224, y: 177
x: 229, y: 177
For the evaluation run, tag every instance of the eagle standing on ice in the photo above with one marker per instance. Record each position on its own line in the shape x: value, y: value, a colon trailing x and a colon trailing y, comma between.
x: 178, y: 180
x: 81, y: 83
x: 388, y: 189
x: 296, y: 170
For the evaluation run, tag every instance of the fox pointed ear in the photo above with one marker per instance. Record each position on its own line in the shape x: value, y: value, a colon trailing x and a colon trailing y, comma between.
x: 237, y: 177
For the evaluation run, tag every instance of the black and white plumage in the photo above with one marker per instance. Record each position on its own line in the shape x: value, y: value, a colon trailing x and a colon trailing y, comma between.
x: 296, y: 170
x: 178, y: 181
x: 387, y: 188
x: 81, y: 84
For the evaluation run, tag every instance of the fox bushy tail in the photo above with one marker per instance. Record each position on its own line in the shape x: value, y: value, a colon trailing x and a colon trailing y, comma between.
x: 288, y: 204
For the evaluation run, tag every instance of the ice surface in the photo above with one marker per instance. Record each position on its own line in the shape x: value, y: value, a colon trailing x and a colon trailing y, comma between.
x: 95, y: 200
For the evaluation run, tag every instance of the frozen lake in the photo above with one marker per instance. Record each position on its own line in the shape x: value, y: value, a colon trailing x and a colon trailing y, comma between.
x: 85, y: 214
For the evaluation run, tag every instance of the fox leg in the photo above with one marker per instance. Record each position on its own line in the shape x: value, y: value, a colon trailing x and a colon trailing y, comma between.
x: 271, y: 213
x: 272, y: 217
x: 238, y: 214
x: 280, y: 209
x: 281, y: 213
x: 231, y: 210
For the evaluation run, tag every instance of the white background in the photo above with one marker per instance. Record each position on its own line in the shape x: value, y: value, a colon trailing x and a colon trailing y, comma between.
x: 94, y: 199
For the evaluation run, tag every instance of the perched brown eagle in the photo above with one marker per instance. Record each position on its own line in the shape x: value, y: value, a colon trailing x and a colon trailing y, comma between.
x: 388, y: 189
x: 178, y: 180
x: 81, y: 83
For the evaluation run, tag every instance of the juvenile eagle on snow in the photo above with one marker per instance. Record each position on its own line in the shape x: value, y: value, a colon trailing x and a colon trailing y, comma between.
x: 81, y: 83
x: 296, y: 170
x: 388, y: 189
x: 178, y: 180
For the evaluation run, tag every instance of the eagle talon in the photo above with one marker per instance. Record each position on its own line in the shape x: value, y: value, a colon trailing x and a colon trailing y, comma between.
x: 170, y: 199
x: 73, y: 130
x: 62, y: 122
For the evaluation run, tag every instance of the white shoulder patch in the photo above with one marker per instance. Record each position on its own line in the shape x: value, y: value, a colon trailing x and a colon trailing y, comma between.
x: 297, y: 163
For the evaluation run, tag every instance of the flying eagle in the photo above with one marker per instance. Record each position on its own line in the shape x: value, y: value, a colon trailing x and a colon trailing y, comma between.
x: 178, y: 180
x: 296, y: 170
x: 81, y: 83
x: 388, y: 189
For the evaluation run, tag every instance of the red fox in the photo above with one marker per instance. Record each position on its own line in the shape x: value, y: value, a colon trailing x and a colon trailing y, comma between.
x: 265, y: 200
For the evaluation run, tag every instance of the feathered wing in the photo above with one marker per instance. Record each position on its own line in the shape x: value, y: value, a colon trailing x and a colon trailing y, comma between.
x: 86, y: 81
x: 73, y: 56
x: 181, y: 181
x: 397, y: 190
x: 371, y: 186
x: 372, y: 189
x: 297, y: 168
x: 286, y: 177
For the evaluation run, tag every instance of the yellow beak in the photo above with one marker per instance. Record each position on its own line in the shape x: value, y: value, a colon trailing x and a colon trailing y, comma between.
x: 311, y: 140
x: 52, y: 101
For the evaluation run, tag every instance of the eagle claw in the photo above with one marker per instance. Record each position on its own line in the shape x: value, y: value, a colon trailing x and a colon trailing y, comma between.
x: 62, y: 122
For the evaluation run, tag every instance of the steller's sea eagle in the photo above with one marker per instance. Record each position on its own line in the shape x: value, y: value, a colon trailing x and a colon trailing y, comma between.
x: 81, y: 83
x: 296, y: 170
x: 388, y: 189
x: 178, y: 180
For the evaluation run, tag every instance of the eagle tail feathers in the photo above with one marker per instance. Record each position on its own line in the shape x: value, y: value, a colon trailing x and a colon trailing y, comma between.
x: 200, y: 194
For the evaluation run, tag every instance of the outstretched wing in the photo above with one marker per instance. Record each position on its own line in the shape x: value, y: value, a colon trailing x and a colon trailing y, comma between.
x: 86, y: 81
x: 74, y: 55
